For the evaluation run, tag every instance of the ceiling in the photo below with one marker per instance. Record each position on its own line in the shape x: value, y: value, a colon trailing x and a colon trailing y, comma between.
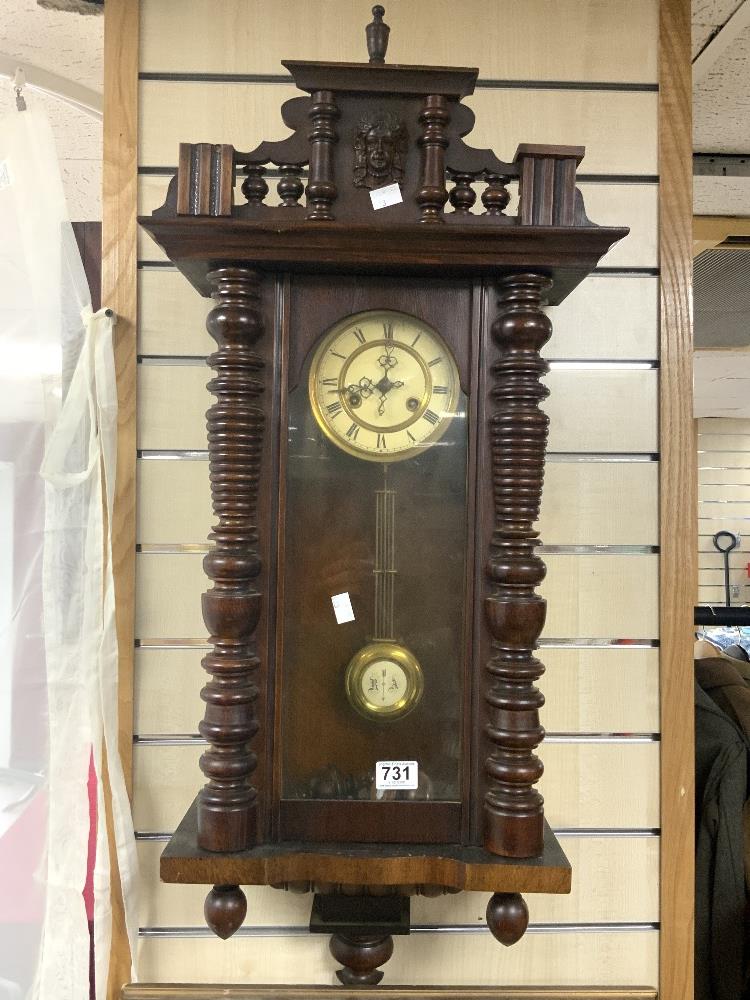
x: 63, y: 52
x: 721, y: 125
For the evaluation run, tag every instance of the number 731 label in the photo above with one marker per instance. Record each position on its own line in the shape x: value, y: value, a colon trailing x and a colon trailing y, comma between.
x: 396, y: 774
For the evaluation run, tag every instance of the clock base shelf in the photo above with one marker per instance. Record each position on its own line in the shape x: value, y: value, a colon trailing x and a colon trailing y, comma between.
x: 303, y: 866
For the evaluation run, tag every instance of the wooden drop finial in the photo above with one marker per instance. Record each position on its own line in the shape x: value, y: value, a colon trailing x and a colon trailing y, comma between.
x: 224, y: 909
x: 377, y: 33
x: 360, y: 956
x: 507, y: 917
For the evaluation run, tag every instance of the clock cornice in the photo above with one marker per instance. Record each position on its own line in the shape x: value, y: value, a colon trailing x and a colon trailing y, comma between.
x: 197, y: 244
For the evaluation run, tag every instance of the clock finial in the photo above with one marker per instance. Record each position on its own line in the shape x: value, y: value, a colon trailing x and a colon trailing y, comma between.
x: 377, y: 35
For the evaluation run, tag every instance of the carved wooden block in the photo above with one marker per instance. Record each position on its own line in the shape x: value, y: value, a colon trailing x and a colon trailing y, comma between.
x: 205, y: 179
x: 548, y: 184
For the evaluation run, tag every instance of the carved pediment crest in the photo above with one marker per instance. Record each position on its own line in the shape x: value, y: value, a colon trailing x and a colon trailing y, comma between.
x: 380, y: 146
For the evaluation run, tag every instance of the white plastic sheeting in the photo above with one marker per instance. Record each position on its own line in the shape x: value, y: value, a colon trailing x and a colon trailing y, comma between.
x: 58, y: 652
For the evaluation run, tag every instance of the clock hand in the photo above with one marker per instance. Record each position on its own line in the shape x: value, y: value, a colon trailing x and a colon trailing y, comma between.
x: 384, y: 386
x: 387, y: 360
x: 358, y: 391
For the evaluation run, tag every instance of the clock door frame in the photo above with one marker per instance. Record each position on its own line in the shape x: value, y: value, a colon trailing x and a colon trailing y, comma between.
x: 311, y: 305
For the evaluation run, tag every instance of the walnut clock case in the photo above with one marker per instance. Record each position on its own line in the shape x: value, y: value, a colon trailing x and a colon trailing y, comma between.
x: 376, y: 460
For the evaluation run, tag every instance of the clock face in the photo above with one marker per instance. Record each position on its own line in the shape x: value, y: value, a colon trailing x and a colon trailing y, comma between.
x: 383, y: 385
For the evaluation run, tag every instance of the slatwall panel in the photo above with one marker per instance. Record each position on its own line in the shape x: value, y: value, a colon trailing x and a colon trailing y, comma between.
x: 576, y: 71
x: 723, y: 505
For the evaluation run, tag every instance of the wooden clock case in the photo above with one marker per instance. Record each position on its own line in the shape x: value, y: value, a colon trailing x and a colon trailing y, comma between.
x: 279, y: 276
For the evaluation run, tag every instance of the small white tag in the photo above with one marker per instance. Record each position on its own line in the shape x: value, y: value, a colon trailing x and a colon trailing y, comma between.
x: 385, y: 196
x: 342, y: 608
x: 5, y: 178
x: 396, y: 774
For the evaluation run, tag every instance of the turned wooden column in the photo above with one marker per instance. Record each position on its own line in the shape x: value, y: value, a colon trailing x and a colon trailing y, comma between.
x: 513, y: 808
x: 231, y: 608
x: 321, y: 186
x: 433, y: 194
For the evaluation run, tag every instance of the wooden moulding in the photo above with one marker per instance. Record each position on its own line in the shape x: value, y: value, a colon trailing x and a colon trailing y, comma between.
x: 450, y: 865
x: 180, y: 991
x: 566, y: 254
x: 451, y: 81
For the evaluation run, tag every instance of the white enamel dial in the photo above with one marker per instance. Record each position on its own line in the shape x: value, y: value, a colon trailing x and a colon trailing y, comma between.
x: 383, y: 385
x: 383, y: 683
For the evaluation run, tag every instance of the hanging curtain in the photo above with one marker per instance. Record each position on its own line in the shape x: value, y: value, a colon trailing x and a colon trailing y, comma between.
x: 58, y: 668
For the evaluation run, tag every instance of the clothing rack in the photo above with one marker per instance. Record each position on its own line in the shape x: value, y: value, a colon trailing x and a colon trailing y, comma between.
x: 706, y: 615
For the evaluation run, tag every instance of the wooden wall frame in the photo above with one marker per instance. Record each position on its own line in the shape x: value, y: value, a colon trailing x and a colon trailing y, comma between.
x: 678, y: 504
x: 678, y: 478
x: 119, y: 292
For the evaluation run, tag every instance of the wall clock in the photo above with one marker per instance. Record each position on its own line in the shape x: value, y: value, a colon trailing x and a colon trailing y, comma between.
x: 376, y: 452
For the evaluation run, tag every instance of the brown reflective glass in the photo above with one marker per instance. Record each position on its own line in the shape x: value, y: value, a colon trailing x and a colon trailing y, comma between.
x: 375, y: 511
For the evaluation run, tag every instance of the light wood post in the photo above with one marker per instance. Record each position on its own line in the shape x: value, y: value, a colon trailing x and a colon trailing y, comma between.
x: 678, y: 510
x: 119, y: 292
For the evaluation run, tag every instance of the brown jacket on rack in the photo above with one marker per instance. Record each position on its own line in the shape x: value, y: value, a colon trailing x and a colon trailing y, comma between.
x: 722, y: 828
x: 727, y: 681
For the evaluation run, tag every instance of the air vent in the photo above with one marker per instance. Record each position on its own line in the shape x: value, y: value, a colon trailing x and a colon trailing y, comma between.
x: 74, y: 6
x: 721, y: 295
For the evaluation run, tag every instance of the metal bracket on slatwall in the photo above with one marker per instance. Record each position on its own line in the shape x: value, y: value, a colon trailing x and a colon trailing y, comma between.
x: 721, y: 165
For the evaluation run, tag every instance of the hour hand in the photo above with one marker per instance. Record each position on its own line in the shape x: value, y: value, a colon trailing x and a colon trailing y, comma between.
x: 358, y: 391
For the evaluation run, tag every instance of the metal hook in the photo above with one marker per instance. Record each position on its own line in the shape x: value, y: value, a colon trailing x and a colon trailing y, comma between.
x: 734, y: 541
x: 19, y: 82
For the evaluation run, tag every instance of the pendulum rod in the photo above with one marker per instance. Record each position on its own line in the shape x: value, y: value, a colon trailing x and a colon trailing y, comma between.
x: 385, y: 560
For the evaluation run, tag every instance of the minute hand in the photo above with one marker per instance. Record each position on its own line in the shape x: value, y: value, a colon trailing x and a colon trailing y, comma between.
x: 384, y: 386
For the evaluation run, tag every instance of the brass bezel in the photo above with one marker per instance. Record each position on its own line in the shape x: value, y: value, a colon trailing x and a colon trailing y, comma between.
x: 448, y: 407
x: 404, y: 658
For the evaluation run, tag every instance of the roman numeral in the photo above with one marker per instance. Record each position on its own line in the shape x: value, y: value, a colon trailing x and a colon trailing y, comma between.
x: 411, y: 437
x: 353, y: 432
x: 440, y: 390
x: 329, y: 381
x: 414, y: 342
x: 381, y: 442
x: 435, y: 361
x: 359, y: 335
x: 431, y: 417
x: 334, y: 409
x: 388, y: 331
x: 337, y: 355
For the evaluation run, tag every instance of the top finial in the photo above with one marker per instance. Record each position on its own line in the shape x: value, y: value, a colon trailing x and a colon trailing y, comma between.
x: 377, y: 35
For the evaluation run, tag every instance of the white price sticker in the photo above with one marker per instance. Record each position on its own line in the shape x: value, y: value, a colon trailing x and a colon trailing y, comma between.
x: 342, y: 608
x: 385, y: 196
x: 396, y: 774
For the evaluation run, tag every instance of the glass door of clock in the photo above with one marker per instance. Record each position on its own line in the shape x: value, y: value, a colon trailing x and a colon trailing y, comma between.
x: 373, y: 626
